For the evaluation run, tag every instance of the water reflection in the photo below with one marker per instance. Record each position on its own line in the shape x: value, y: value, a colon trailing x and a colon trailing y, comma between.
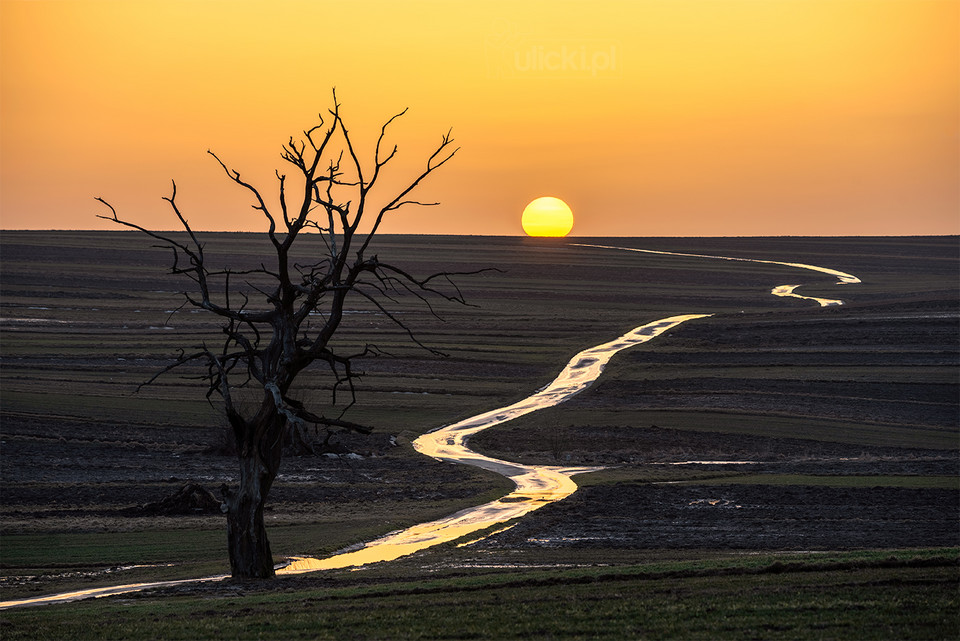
x: 843, y: 278
x: 536, y: 485
x: 787, y: 290
x: 112, y: 590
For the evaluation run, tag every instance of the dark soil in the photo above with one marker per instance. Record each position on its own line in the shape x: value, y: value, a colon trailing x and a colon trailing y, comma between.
x: 888, y: 358
x: 633, y: 444
x: 741, y: 517
x: 66, y: 475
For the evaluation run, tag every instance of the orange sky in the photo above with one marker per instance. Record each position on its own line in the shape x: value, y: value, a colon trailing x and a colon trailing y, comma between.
x: 691, y: 117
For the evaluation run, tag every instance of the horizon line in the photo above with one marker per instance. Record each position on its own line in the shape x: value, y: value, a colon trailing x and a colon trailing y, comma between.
x: 539, y: 238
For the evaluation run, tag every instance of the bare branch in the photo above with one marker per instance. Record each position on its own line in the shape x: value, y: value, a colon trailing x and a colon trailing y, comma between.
x: 183, y: 359
x: 377, y: 163
x: 442, y: 152
x: 261, y: 205
x: 413, y: 337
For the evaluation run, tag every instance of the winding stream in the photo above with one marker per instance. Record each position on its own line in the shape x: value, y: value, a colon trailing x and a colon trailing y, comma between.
x: 536, y: 486
x: 780, y: 290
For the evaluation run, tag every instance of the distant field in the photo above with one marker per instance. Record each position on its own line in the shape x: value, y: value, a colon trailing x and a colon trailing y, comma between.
x: 87, y: 318
x: 844, y: 414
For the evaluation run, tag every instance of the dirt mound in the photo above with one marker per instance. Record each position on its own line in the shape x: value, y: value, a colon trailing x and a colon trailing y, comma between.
x: 192, y: 498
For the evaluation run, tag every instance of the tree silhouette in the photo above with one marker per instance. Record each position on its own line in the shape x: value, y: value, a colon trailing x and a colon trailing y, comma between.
x: 271, y: 334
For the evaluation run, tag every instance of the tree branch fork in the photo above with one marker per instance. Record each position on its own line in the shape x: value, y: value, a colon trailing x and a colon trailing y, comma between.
x: 268, y: 346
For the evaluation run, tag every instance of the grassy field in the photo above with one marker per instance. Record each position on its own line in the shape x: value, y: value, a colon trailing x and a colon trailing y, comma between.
x: 847, y: 418
x: 853, y: 595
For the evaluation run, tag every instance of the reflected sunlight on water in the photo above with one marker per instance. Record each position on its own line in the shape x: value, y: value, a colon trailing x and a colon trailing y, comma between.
x: 536, y: 485
x: 787, y: 290
x: 843, y: 278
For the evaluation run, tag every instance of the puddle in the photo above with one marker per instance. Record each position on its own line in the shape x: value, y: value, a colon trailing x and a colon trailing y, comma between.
x: 714, y: 463
x: 720, y: 503
x: 95, y: 593
x: 23, y: 579
x: 515, y: 566
x: 787, y: 290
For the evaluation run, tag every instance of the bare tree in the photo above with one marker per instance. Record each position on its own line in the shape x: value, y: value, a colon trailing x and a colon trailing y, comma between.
x: 268, y: 342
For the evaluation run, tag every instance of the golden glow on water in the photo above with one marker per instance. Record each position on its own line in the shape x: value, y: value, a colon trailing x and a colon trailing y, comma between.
x: 552, y: 484
x: 536, y: 486
x: 787, y: 291
x: 843, y: 278
x: 95, y: 593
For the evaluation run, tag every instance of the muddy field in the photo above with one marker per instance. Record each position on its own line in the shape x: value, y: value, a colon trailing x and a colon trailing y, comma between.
x: 740, y: 517
x: 867, y: 390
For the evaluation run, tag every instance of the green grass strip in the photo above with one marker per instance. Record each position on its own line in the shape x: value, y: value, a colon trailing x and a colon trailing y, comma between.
x: 880, y: 595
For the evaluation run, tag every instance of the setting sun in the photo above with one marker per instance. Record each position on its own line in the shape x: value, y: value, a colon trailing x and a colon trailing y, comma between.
x: 547, y: 216
x: 660, y: 107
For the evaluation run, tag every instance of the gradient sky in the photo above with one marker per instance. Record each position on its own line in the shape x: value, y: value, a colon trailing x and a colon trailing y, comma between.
x: 650, y: 118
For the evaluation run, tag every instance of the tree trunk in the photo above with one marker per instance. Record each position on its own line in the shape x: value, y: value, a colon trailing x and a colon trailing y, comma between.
x: 250, y: 556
